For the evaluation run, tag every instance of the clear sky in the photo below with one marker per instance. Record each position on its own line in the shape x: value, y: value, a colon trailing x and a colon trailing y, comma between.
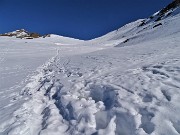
x: 82, y: 19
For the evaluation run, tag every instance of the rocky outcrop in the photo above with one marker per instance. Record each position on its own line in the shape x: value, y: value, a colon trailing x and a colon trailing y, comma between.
x: 168, y: 9
x: 23, y: 34
x: 162, y: 14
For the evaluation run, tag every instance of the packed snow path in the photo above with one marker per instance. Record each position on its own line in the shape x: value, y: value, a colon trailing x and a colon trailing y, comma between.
x: 111, y: 91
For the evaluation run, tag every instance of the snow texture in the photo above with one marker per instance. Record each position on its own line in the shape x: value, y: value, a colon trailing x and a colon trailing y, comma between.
x: 124, y: 83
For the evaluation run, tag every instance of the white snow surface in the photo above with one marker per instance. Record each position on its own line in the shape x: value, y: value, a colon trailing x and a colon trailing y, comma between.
x: 61, y: 86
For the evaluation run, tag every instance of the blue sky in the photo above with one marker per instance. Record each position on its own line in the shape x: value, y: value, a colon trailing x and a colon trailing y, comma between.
x: 82, y: 19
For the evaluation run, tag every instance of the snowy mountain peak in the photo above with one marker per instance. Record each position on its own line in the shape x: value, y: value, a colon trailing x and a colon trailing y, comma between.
x: 22, y: 33
x: 21, y: 30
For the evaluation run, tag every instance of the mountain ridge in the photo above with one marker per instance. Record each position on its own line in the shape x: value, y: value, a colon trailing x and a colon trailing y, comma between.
x: 156, y: 17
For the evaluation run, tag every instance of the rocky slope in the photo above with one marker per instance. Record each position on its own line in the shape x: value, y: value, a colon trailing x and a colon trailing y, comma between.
x: 22, y: 34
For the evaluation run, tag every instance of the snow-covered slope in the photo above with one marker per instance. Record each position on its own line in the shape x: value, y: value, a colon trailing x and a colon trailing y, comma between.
x: 156, y: 26
x: 92, y: 87
x: 60, y: 40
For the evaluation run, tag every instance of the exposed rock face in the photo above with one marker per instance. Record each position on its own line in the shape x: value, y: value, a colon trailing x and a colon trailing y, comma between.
x: 164, y: 13
x: 22, y: 34
x: 35, y: 35
x: 47, y: 35
x: 168, y: 9
x: 172, y: 5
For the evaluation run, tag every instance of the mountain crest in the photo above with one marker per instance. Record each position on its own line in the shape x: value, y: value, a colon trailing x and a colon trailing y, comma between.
x: 22, y: 33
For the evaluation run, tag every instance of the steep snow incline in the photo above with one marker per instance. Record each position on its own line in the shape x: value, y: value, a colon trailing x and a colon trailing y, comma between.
x: 154, y: 30
x: 116, y: 37
x: 158, y: 25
